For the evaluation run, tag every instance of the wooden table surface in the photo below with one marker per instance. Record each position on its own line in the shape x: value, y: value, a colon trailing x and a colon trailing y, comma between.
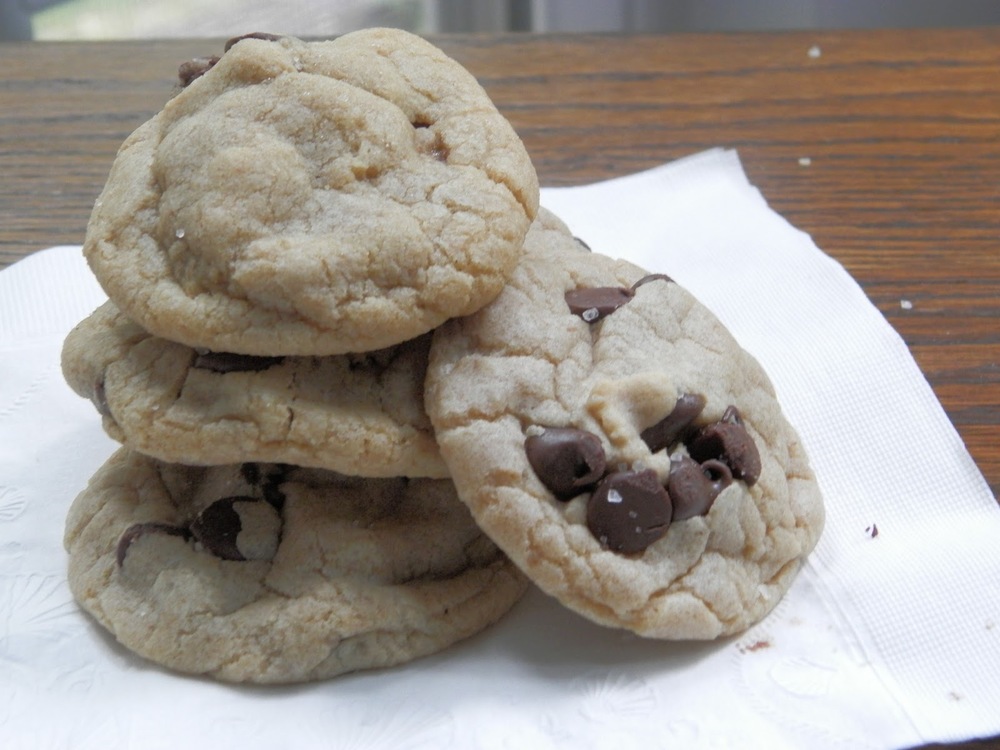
x: 883, y: 145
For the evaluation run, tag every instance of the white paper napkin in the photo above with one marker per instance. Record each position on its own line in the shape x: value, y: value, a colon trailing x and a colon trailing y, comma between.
x: 884, y: 641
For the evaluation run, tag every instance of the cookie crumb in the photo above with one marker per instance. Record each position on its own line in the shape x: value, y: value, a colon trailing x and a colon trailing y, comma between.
x: 906, y: 304
x: 755, y: 646
x: 805, y: 161
x: 814, y: 51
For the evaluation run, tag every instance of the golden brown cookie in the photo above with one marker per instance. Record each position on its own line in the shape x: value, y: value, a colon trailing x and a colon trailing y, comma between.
x: 359, y: 414
x: 612, y: 437
x: 267, y: 574
x: 314, y: 198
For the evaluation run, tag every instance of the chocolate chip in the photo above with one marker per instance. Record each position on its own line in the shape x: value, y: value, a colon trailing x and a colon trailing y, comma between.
x: 582, y: 243
x: 223, y: 362
x: 195, y: 68
x: 728, y: 441
x: 219, y: 528
x: 254, y: 35
x: 137, y: 530
x: 100, y: 399
x: 568, y: 461
x: 665, y: 433
x: 596, y: 302
x: 218, y: 525
x: 693, y: 487
x: 629, y: 510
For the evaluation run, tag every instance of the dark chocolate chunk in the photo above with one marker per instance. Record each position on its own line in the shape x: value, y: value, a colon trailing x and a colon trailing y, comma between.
x: 693, y: 487
x: 568, y: 461
x: 629, y: 510
x: 254, y: 35
x: 137, y: 530
x: 596, y: 302
x: 195, y: 68
x: 668, y: 430
x: 100, y: 399
x: 223, y: 362
x: 218, y: 525
x: 728, y: 441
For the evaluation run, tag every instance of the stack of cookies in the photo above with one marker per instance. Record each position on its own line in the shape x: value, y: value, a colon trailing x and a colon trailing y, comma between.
x: 367, y: 389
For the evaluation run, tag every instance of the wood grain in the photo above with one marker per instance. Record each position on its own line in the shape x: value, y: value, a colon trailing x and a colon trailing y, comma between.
x: 883, y: 145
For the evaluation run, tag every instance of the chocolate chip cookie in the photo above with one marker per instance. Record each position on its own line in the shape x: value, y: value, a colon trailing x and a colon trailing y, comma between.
x: 359, y: 414
x: 612, y: 437
x: 314, y: 198
x: 272, y: 574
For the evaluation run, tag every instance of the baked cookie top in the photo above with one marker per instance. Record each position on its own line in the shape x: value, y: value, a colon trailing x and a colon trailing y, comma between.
x: 314, y: 198
x: 268, y: 574
x: 359, y: 414
x: 612, y: 437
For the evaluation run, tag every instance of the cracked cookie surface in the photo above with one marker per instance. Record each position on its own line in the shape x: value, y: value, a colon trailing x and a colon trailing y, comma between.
x: 314, y: 198
x: 359, y: 414
x: 270, y: 574
x: 634, y: 392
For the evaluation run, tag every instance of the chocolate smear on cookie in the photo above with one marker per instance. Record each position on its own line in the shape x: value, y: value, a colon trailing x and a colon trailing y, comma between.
x: 133, y: 532
x: 629, y: 510
x: 568, y: 461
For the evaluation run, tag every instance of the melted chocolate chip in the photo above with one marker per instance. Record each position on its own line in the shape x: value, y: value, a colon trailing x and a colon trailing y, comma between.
x: 666, y: 432
x: 223, y: 362
x: 596, y: 302
x: 254, y: 35
x: 137, y: 530
x: 568, y: 461
x: 729, y: 442
x: 693, y: 487
x: 195, y: 68
x: 629, y: 510
x: 218, y: 525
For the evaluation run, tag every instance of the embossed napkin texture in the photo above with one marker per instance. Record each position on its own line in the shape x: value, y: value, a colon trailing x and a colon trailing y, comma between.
x: 884, y: 641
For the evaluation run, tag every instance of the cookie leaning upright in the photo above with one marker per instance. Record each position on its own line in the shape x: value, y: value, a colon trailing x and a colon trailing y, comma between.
x: 314, y: 198
x: 611, y: 436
